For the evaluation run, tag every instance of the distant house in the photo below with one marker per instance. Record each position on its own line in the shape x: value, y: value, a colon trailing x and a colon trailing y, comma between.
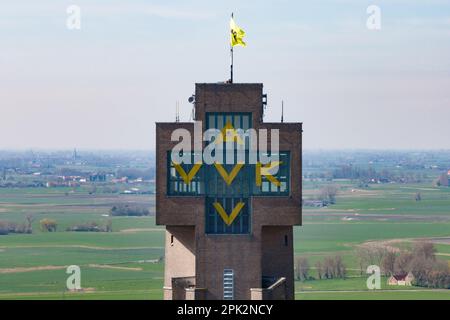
x: 404, y: 279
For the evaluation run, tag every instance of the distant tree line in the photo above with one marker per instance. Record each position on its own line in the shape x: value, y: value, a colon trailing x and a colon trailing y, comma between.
x: 129, y: 210
x: 331, y: 267
x: 367, y: 175
x: 7, y: 227
x: 325, y: 197
x: 132, y: 173
x: 50, y: 225
x: 70, y: 172
x: 92, y: 227
x: 21, y: 184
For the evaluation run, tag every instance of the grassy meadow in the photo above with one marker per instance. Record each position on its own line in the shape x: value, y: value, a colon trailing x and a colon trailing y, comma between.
x: 127, y: 263
x: 123, y: 264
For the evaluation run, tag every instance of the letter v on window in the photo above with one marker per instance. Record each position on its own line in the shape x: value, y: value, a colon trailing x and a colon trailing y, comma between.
x: 187, y: 177
x: 228, y: 177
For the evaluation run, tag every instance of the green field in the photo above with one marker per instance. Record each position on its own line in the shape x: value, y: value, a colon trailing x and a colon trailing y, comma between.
x: 355, y: 288
x: 376, y: 295
x: 127, y: 263
x: 123, y: 264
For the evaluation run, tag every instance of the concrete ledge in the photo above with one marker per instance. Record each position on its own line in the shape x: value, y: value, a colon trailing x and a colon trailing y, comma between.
x: 277, y: 291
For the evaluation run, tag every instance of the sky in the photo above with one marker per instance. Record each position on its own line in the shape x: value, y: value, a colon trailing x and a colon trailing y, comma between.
x: 104, y: 86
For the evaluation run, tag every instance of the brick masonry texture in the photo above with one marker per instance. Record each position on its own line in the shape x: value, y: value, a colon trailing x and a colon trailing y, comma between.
x: 263, y: 252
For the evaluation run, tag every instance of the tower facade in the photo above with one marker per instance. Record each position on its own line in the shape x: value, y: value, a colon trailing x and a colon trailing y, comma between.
x: 229, y: 225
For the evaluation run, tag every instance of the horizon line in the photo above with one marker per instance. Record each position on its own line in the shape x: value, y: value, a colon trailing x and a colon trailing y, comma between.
x: 154, y: 150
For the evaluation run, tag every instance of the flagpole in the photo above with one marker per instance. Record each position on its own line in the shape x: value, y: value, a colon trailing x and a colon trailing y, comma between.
x: 231, y: 69
x: 231, y: 56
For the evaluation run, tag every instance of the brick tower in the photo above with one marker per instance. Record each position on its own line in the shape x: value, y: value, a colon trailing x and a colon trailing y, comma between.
x: 229, y: 228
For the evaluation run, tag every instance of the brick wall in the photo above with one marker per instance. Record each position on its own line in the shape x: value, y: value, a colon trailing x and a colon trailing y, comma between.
x: 251, y: 256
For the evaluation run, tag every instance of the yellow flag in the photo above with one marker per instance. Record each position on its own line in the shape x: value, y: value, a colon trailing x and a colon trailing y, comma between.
x: 237, y: 35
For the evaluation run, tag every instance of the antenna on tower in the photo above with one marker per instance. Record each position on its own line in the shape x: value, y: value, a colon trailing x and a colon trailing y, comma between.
x: 282, y: 111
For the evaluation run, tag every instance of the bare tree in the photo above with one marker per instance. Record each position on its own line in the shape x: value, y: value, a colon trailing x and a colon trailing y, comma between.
x: 29, y: 218
x: 426, y: 269
x: 340, y: 270
x: 361, y: 254
x: 328, y: 193
x: 319, y: 269
x: 376, y: 255
x: 370, y: 255
x: 425, y: 249
x: 301, y: 268
x: 420, y: 267
x: 108, y: 226
x: 402, y: 263
x: 439, y: 276
x: 388, y: 263
x: 4, y: 228
x: 329, y: 268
